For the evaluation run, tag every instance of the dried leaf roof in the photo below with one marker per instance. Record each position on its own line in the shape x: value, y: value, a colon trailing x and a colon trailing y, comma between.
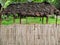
x: 32, y: 8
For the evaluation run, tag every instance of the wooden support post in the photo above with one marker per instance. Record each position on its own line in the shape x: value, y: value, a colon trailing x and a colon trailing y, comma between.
x: 0, y: 20
x: 26, y: 19
x: 19, y: 15
x: 42, y: 19
x: 20, y: 19
x: 56, y: 19
x: 46, y: 20
x: 13, y: 18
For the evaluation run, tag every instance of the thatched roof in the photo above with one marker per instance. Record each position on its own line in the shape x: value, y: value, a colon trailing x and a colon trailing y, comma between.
x: 32, y: 8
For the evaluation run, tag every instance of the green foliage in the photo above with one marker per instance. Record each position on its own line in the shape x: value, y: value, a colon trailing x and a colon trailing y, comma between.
x: 30, y: 20
x: 52, y: 16
x: 7, y: 3
x: 38, y: 0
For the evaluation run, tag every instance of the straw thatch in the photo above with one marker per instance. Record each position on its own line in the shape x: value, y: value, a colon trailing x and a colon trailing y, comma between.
x: 43, y: 9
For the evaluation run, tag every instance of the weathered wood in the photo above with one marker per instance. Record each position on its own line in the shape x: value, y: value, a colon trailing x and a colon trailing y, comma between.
x: 33, y: 34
